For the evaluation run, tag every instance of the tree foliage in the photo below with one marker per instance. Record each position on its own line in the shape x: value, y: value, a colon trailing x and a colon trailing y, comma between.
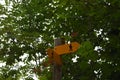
x: 28, y: 27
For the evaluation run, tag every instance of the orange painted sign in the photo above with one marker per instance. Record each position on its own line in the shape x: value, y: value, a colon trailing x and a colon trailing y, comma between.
x: 53, y: 57
x: 54, y: 54
x: 50, y: 52
x: 66, y: 48
x: 57, y: 59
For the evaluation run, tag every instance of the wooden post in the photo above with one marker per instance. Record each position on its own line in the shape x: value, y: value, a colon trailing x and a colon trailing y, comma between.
x: 57, y: 69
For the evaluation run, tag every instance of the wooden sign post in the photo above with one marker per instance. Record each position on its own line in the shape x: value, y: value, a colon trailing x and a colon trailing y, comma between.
x: 54, y: 55
x: 57, y: 69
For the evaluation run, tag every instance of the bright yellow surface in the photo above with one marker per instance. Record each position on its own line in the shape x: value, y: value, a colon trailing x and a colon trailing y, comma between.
x: 64, y: 49
x: 54, y: 54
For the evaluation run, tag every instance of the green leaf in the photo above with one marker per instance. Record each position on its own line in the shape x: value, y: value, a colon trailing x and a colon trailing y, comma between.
x: 85, y: 49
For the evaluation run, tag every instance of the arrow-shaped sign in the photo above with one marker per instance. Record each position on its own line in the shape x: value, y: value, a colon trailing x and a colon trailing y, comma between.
x: 66, y: 48
x: 54, y: 54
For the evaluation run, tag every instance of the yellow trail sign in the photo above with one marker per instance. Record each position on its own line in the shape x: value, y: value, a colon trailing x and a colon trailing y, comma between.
x: 53, y: 57
x: 54, y: 54
x: 66, y: 48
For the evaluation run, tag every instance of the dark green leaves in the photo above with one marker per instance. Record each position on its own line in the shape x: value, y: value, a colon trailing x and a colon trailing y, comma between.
x: 86, y: 49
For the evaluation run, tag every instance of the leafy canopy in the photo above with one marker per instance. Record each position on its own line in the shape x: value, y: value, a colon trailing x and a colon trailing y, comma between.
x: 28, y: 27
